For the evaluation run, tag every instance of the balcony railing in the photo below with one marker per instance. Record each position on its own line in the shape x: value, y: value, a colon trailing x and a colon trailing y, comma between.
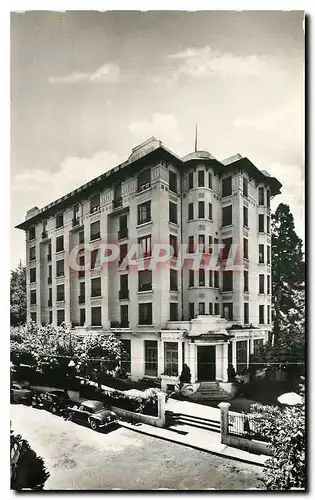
x: 96, y: 293
x: 95, y: 209
x: 81, y: 299
x: 145, y: 287
x: 124, y: 294
x: 121, y: 324
x: 75, y: 222
x: 147, y: 185
x: 117, y: 202
x: 123, y: 233
x: 44, y: 235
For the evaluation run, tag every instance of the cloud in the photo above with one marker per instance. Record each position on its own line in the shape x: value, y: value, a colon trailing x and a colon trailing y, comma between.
x: 204, y: 62
x: 108, y: 73
x: 162, y: 126
x: 266, y: 120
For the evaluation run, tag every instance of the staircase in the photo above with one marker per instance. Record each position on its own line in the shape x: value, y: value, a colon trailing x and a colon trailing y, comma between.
x: 211, y: 391
x: 182, y: 419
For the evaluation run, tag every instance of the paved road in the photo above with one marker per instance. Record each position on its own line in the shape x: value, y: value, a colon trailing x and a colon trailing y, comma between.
x: 81, y: 459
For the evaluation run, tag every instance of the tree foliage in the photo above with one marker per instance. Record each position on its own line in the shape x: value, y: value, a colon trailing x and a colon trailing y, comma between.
x: 18, y: 295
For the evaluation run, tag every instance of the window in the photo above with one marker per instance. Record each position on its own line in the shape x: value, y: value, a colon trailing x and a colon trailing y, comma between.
x: 95, y: 203
x: 246, y: 313
x: 191, y: 244
x: 210, y: 245
x: 202, y: 279
x: 173, y: 311
x: 190, y: 211
x: 82, y: 264
x: 191, y: 278
x: 49, y: 252
x: 261, y: 196
x: 82, y: 317
x: 82, y: 293
x: 145, y: 314
x: 123, y: 251
x: 81, y: 237
x: 241, y: 355
x: 268, y: 254
x: 126, y: 362
x: 173, y: 212
x: 33, y: 297
x: 144, y: 180
x: 32, y: 253
x: 227, y: 281
x: 210, y: 211
x: 268, y: 315
x: 95, y: 259
x: 245, y: 216
x: 245, y: 250
x: 191, y: 180
x: 171, y: 359
x: 173, y: 244
x: 145, y: 280
x: 60, y: 316
x: 268, y: 224
x: 191, y: 310
x: 59, y: 220
x: 261, y: 283
x: 261, y: 225
x: 216, y: 279
x: 227, y: 216
x: 261, y: 254
x: 245, y: 187
x: 31, y: 233
x: 245, y: 281
x: 96, y: 316
x: 96, y: 287
x: 228, y: 311
x: 60, y: 293
x: 33, y: 275
x: 123, y: 227
x: 211, y: 279
x: 217, y: 309
x: 227, y: 242
x: 201, y: 308
x: 268, y: 198
x: 211, y: 308
x: 210, y: 180
x: 76, y: 213
x: 50, y: 319
x: 95, y: 230
x: 33, y: 317
x: 144, y: 212
x: 268, y: 285
x: 201, y: 209
x: 257, y: 344
x: 145, y: 249
x: 226, y: 187
x: 117, y: 195
x: 261, y: 315
x: 124, y: 289
x: 124, y: 319
x: 49, y: 274
x: 150, y: 357
x: 172, y: 181
x: 201, y: 178
x: 201, y: 243
x: 59, y: 244
x: 60, y: 268
x: 173, y: 280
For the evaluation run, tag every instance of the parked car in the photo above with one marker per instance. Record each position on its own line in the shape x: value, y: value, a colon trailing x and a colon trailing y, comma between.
x: 93, y: 413
x: 55, y: 401
x: 20, y: 391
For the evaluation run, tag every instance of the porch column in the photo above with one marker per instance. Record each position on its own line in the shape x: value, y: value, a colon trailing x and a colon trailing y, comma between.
x: 180, y: 357
x: 234, y: 354
x: 161, y: 357
x: 193, y: 362
x: 225, y: 362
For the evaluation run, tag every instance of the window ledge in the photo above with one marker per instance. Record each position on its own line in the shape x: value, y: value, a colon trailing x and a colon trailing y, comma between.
x: 59, y: 301
x: 145, y: 291
x: 59, y: 252
x: 96, y: 296
x: 96, y: 239
x: 138, y: 193
x: 142, y: 224
x: 228, y: 226
x: 145, y: 326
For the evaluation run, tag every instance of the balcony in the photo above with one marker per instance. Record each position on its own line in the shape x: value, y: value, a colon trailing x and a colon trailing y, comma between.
x: 145, y: 287
x: 49, y: 279
x: 117, y: 203
x: 49, y: 302
x: 44, y: 235
x: 143, y: 187
x: 121, y: 324
x: 81, y: 299
x: 76, y: 222
x: 94, y: 209
x: 123, y: 233
x: 124, y: 294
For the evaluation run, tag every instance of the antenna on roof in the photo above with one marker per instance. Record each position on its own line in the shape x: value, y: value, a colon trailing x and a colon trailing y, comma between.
x: 196, y: 137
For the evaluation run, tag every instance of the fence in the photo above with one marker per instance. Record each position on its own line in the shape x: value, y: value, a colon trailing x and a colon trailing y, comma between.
x: 244, y: 425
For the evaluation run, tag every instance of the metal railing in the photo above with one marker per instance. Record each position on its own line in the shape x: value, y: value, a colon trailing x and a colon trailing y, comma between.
x: 244, y: 425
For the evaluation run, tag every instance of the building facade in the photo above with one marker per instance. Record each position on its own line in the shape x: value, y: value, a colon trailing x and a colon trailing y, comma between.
x: 90, y: 261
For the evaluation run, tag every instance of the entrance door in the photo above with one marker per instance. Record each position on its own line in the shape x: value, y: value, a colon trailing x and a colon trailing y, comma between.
x: 206, y: 363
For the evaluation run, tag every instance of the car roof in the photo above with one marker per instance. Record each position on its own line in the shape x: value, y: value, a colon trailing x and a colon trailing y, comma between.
x: 91, y: 403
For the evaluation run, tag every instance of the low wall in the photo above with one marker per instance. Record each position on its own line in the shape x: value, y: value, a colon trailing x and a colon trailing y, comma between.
x: 229, y: 387
x: 139, y: 417
x: 250, y: 445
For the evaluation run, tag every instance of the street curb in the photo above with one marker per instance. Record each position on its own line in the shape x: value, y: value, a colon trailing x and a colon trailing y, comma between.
x: 194, y: 447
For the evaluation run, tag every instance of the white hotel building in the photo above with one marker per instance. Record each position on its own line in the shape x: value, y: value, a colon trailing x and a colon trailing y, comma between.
x: 206, y: 318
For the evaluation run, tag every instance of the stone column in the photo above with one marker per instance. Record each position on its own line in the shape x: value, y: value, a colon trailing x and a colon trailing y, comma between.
x: 180, y: 357
x: 224, y: 420
x: 161, y: 408
x: 193, y: 362
x: 225, y: 362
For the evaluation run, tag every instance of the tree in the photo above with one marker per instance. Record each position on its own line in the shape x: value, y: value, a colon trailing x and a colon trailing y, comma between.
x: 18, y: 295
x: 285, y: 430
x: 97, y: 354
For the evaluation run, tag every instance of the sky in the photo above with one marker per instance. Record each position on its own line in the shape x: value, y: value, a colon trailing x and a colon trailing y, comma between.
x: 86, y: 87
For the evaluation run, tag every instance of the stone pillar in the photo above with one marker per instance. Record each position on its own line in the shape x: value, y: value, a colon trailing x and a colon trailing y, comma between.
x: 161, y: 408
x: 225, y: 362
x: 224, y: 420
x: 180, y: 357
x: 161, y: 358
x: 193, y: 362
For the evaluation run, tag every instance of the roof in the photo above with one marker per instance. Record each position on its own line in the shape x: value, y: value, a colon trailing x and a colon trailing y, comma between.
x: 91, y: 403
x: 198, y: 155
